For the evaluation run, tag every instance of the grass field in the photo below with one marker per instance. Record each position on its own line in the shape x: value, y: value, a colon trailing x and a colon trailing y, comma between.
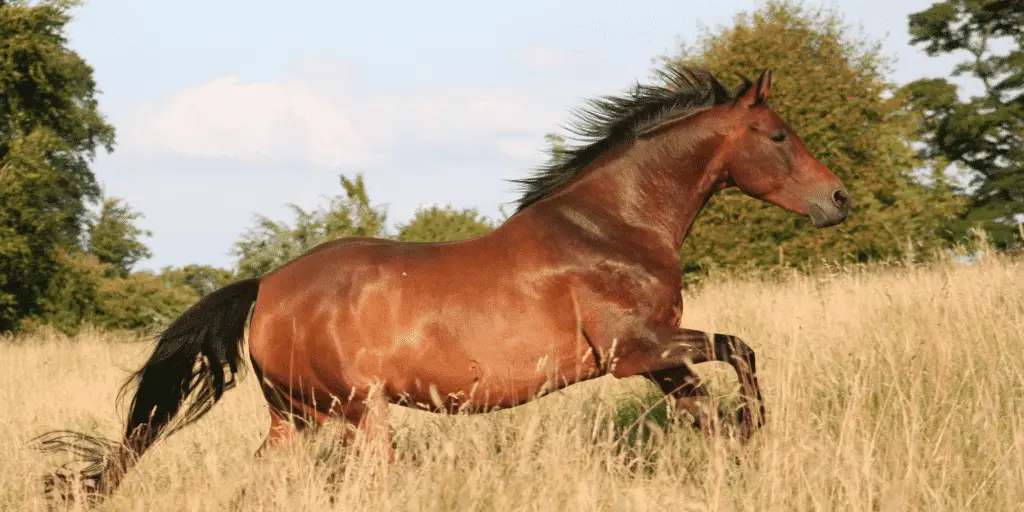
x: 898, y: 389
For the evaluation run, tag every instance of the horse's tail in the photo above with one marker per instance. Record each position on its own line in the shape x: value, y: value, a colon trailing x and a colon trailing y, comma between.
x: 209, y: 333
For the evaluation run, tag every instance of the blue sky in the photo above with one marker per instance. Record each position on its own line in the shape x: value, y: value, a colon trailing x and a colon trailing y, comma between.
x: 228, y: 109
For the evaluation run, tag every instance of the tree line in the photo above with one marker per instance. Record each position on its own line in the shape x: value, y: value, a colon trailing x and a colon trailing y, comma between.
x: 929, y: 166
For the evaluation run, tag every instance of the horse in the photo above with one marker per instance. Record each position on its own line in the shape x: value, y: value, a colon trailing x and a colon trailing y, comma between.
x: 581, y: 281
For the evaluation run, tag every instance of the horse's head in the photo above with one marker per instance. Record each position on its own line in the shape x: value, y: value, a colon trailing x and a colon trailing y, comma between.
x: 766, y: 159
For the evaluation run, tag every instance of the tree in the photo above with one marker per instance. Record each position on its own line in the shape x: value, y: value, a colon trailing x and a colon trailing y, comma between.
x: 983, y: 135
x: 30, y: 230
x: 141, y: 301
x: 443, y: 224
x: 49, y: 132
x: 72, y: 296
x: 114, y: 237
x: 831, y: 88
x: 270, y: 244
x: 84, y: 293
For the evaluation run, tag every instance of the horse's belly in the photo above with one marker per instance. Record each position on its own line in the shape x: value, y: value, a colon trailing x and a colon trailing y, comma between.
x: 484, y: 375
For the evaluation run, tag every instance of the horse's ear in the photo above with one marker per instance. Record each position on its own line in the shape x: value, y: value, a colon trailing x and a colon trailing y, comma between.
x: 764, y: 86
x: 747, y: 94
x: 755, y: 93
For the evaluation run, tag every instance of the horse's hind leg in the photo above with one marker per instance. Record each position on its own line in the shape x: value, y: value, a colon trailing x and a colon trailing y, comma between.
x: 288, y: 419
x: 370, y: 417
x: 283, y: 428
x: 689, y: 393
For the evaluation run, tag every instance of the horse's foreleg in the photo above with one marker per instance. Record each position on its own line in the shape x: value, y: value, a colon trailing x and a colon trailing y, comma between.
x: 677, y: 347
x: 685, y: 387
x: 741, y: 357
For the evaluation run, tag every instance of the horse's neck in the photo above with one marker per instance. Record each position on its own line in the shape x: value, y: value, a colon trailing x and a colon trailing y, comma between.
x: 653, y: 191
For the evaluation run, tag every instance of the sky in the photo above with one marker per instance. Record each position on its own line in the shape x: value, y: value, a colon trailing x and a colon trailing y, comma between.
x: 228, y: 109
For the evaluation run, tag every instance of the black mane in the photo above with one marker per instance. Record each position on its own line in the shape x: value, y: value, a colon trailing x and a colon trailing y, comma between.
x: 612, y: 120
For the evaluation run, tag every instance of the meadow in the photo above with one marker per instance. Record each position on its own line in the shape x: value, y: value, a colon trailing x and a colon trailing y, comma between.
x: 894, y: 387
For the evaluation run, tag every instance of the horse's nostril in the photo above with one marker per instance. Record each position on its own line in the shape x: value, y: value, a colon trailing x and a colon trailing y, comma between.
x: 840, y: 198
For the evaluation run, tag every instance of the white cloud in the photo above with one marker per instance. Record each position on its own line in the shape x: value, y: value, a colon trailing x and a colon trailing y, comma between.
x: 313, y: 117
x: 229, y: 119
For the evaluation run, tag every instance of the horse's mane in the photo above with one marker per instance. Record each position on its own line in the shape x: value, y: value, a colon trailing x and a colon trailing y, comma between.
x: 612, y: 120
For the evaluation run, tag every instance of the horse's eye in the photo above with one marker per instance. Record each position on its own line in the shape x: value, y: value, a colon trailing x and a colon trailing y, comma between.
x: 779, y: 136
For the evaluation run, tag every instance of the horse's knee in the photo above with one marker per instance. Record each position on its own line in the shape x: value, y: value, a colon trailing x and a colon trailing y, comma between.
x: 733, y: 349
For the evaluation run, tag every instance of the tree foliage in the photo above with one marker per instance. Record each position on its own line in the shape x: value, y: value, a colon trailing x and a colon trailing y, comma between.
x: 115, y: 239
x: 983, y: 135
x: 444, y: 224
x: 269, y: 244
x: 143, y: 300
x: 86, y: 292
x: 831, y: 87
x: 31, y: 230
x: 50, y: 129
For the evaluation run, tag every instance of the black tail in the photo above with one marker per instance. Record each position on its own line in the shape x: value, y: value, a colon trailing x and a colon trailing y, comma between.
x: 208, y: 333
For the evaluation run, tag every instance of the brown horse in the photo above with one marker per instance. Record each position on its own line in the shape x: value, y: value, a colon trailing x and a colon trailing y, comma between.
x: 582, y: 281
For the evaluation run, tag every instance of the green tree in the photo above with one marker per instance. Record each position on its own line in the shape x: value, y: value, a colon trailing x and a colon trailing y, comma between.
x: 115, y: 239
x: 30, y: 230
x: 83, y: 293
x: 49, y: 132
x: 983, y: 135
x: 72, y: 296
x: 269, y: 244
x: 443, y: 224
x: 831, y: 87
x: 141, y: 301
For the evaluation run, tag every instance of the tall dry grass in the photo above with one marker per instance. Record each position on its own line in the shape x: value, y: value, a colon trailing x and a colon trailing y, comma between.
x: 897, y: 389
